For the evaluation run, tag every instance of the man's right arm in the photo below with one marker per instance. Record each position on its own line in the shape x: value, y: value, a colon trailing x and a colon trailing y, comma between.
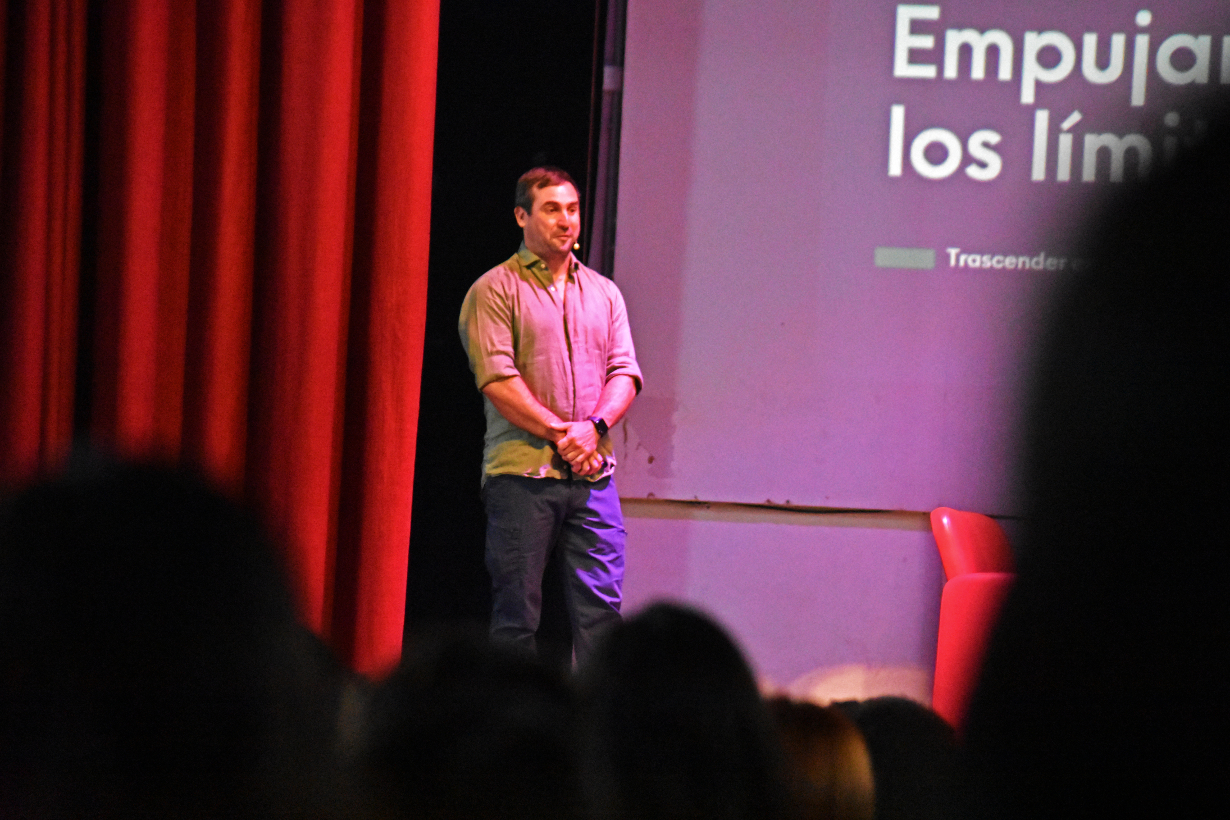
x: 512, y: 397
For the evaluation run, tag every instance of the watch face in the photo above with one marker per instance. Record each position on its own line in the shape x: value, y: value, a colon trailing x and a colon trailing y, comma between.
x: 599, y: 425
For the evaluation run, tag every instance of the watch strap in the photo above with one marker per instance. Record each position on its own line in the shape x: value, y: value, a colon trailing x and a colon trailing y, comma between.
x: 599, y: 425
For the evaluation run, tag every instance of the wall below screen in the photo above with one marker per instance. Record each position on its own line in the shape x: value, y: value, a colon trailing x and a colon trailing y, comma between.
x: 848, y: 610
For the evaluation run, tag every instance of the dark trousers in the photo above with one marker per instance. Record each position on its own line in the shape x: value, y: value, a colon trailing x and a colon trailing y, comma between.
x: 527, y: 518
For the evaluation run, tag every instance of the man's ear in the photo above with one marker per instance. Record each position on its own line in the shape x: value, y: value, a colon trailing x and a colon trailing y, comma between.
x: 521, y: 216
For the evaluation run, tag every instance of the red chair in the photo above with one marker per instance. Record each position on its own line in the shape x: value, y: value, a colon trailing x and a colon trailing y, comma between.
x: 970, y: 542
x: 979, y: 570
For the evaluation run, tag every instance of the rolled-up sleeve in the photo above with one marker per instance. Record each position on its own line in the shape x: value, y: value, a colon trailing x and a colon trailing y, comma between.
x: 486, y: 329
x: 621, y: 360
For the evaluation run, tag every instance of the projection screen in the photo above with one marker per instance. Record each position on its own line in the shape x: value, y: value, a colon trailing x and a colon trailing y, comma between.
x: 839, y: 223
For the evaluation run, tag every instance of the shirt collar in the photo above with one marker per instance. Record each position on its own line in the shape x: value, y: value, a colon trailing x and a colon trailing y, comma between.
x: 534, y: 264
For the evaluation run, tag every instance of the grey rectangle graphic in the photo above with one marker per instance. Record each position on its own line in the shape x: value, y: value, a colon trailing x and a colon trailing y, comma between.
x: 905, y: 257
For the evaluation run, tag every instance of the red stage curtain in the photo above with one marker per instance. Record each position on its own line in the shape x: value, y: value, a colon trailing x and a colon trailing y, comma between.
x: 259, y: 285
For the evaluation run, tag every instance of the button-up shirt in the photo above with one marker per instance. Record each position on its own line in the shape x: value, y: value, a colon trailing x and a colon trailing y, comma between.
x: 565, y: 342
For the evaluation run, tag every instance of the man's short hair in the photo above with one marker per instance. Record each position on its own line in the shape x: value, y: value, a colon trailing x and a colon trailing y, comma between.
x: 543, y: 176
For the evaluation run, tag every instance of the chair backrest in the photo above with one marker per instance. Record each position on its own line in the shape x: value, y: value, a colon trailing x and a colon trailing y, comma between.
x: 970, y: 542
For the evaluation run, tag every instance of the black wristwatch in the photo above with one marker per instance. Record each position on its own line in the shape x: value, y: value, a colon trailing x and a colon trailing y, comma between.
x: 599, y: 425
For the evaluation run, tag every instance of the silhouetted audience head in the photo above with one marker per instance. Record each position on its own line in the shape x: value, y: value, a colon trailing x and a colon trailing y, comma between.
x: 673, y: 725
x: 914, y: 757
x: 830, y: 768
x: 150, y: 660
x: 1103, y: 690
x: 467, y: 729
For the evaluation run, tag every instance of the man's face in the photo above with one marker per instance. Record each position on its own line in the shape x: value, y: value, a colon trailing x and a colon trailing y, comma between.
x: 554, y: 221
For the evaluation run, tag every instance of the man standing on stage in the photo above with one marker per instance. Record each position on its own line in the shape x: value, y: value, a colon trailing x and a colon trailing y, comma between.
x: 550, y: 348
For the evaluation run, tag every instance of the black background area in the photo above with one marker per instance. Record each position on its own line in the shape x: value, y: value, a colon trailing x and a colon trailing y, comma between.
x: 514, y: 89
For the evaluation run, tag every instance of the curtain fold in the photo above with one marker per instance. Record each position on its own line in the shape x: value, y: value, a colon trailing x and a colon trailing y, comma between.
x: 144, y: 220
x: 41, y: 109
x: 256, y: 303
x: 388, y: 315
x: 304, y: 204
x: 223, y: 240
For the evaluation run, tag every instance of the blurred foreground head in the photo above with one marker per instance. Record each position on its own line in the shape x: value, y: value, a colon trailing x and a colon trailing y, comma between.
x: 1103, y: 689
x: 915, y: 759
x: 830, y: 766
x: 150, y: 660
x: 673, y: 726
x: 469, y: 730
